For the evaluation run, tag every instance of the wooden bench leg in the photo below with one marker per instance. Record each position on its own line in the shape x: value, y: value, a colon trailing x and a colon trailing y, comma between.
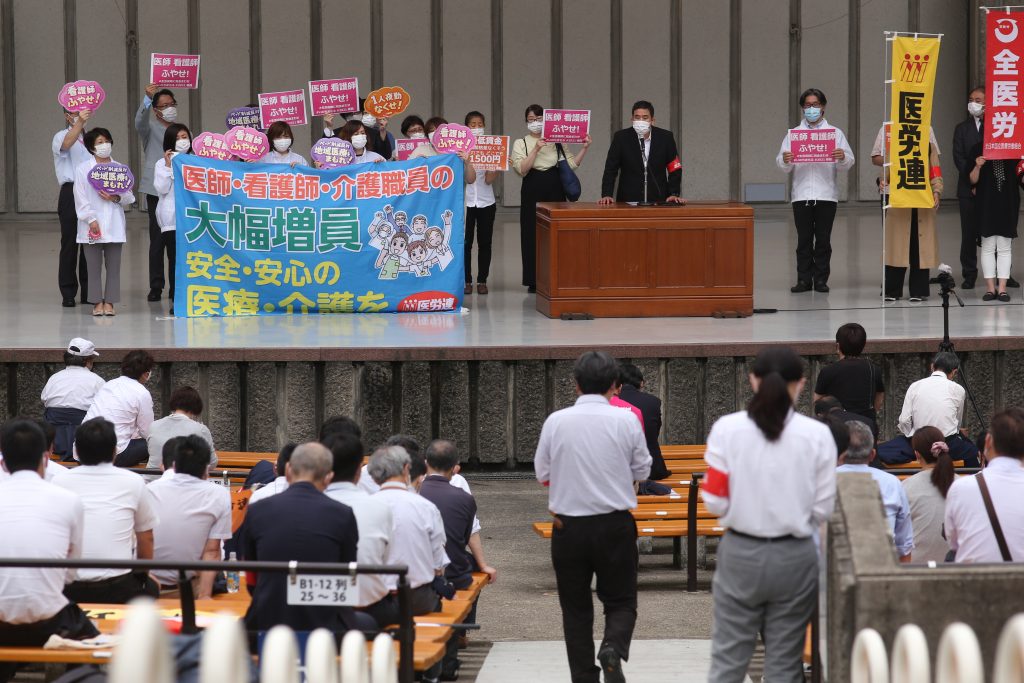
x: 677, y: 552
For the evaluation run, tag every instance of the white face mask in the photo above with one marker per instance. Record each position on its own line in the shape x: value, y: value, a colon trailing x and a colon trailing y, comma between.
x: 417, y: 136
x: 975, y: 109
x: 642, y: 127
x: 170, y: 114
x: 478, y: 131
x: 103, y: 150
x: 359, y: 141
x: 282, y: 144
x: 535, y: 126
x: 182, y: 145
x: 369, y: 120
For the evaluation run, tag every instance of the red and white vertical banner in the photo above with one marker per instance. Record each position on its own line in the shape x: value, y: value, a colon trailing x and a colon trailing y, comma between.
x: 1004, y: 117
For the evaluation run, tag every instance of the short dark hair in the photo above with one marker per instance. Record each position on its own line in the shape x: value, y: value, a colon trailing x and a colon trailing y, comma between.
x: 642, y: 104
x: 417, y: 467
x: 136, y: 363
x: 1007, y: 432
x: 349, y: 129
x: 339, y: 424
x: 813, y: 91
x: 630, y: 374
x: 279, y: 129
x: 283, y: 457
x: 825, y: 405
x: 534, y: 109
x: 169, y: 454
x: 411, y: 445
x: 946, y: 361
x: 596, y: 372
x: 187, y: 399
x: 171, y: 136
x: 977, y: 88
x: 49, y: 431
x: 71, y: 359
x: 410, y: 121
x: 96, y: 441
x: 475, y: 115
x: 89, y: 140
x: 347, y: 454
x: 193, y: 456
x: 840, y: 432
x: 160, y: 93
x: 851, y: 338
x: 23, y: 444
x: 442, y: 456
x: 434, y: 122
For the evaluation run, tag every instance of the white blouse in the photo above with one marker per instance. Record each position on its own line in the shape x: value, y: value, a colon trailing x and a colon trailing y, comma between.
x: 163, y: 183
x: 272, y: 157
x: 91, y: 207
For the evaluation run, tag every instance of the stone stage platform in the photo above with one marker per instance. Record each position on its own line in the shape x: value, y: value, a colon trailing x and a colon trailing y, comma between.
x: 489, y: 376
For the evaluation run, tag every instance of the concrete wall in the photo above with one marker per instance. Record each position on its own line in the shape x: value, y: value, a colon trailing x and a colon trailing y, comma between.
x: 723, y: 75
x: 493, y: 409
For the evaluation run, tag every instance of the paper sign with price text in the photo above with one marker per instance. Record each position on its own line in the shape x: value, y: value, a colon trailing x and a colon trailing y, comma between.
x: 490, y: 153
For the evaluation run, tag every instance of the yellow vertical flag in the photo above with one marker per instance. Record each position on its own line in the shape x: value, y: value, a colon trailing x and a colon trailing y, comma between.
x: 914, y: 63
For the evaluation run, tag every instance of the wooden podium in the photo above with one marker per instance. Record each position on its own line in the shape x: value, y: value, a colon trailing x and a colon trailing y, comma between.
x: 623, y: 261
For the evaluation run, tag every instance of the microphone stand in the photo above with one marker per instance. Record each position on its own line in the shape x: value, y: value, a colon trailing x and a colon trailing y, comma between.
x: 643, y: 157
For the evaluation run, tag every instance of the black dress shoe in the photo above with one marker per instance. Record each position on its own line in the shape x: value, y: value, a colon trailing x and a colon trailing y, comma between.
x: 968, y: 283
x: 800, y: 287
x: 611, y: 666
x: 154, y: 295
x: 821, y: 287
x: 531, y: 290
x: 68, y: 303
x: 1012, y: 283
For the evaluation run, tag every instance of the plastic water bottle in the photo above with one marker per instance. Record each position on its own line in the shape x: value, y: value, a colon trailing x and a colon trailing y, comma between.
x: 232, y: 575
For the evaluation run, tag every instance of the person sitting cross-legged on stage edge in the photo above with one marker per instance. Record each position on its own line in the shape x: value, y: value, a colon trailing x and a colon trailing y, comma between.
x: 935, y: 401
x: 41, y: 521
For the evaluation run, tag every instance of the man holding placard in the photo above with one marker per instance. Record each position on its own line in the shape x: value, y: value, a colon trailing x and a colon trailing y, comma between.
x: 69, y: 153
x: 645, y: 160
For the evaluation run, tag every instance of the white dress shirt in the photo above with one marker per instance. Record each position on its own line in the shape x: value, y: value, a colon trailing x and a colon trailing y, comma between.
x: 895, y: 502
x: 192, y: 511
x: 279, y: 485
x: 52, y: 469
x: 73, y: 387
x: 934, y: 401
x: 967, y: 524
x: 163, y: 183
x: 175, y: 424
x: 117, y: 505
x: 816, y: 181
x: 66, y: 161
x: 417, y: 535
x: 373, y: 517
x: 479, y: 193
x: 128, y: 404
x: 41, y: 521
x: 289, y: 157
x: 591, y: 453
x: 91, y: 207
x: 775, y: 488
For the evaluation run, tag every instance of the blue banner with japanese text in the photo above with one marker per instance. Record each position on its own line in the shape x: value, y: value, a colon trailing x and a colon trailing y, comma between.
x: 263, y: 239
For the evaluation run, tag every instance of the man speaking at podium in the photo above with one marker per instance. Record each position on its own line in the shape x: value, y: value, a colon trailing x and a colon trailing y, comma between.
x: 639, y: 148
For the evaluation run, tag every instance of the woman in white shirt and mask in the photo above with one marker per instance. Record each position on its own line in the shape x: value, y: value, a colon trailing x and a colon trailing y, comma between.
x: 177, y: 140
x: 101, y: 225
x: 355, y: 133
x: 280, y: 136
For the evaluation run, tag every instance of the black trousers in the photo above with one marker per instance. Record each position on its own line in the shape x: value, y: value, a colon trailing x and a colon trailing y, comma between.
x: 119, y: 590
x: 70, y: 622
x: 72, y: 256
x: 968, y: 238
x: 169, y: 239
x: 134, y: 454
x: 481, y: 221
x: 899, y: 451
x: 604, y: 545
x: 813, y: 240
x: 894, y: 275
x: 538, y: 186
x: 156, y: 246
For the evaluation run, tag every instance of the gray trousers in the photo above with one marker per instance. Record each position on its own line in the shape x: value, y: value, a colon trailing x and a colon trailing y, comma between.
x: 108, y: 255
x: 768, y: 587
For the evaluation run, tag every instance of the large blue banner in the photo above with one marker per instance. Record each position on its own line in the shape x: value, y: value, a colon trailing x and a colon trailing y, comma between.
x: 258, y: 239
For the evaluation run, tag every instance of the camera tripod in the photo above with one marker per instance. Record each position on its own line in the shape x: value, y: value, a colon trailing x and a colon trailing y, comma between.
x: 946, y: 345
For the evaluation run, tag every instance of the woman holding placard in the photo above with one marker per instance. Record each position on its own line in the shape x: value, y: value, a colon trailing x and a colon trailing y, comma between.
x: 480, y: 210
x: 537, y: 162
x: 101, y: 225
x: 355, y: 133
x: 280, y: 136
x: 177, y: 140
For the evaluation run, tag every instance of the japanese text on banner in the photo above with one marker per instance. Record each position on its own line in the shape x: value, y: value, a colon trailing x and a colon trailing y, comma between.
x: 1004, y: 46
x: 914, y: 62
x: 268, y: 239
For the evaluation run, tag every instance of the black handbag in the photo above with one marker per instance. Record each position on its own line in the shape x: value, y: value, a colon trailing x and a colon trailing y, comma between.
x: 570, y: 181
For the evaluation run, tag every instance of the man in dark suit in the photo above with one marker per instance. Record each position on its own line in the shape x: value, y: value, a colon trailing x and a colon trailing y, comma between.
x: 302, y: 524
x: 636, y: 147
x: 632, y: 381
x: 967, y: 134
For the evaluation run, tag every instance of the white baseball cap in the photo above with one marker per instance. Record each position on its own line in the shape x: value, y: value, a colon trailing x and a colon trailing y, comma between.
x: 82, y: 347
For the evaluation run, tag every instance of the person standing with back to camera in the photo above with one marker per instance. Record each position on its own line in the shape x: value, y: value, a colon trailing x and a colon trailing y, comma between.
x: 814, y: 196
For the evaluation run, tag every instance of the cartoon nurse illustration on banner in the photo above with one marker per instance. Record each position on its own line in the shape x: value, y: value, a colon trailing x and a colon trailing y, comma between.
x: 404, y: 251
